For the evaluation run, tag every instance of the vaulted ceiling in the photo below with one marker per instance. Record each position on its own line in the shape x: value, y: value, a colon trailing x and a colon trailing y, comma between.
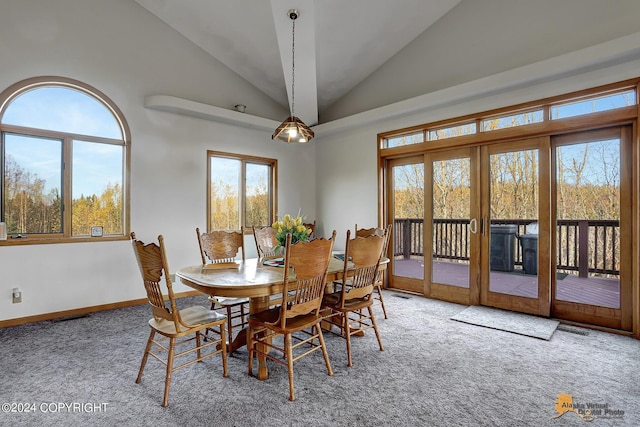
x: 338, y: 43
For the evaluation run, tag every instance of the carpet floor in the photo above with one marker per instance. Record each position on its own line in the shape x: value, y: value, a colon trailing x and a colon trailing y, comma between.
x: 433, y: 372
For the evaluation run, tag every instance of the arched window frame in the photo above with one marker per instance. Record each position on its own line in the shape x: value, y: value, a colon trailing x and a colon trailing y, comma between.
x: 21, y: 87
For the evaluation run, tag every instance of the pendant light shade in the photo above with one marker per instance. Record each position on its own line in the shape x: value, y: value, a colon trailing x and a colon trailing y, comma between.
x: 293, y: 129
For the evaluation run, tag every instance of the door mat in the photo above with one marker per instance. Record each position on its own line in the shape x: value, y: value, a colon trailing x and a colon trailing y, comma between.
x: 509, y: 321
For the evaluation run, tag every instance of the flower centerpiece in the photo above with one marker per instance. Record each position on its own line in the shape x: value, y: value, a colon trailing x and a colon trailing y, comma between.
x: 293, y: 226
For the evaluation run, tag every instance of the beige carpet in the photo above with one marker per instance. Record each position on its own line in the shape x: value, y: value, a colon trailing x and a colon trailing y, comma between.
x: 433, y: 372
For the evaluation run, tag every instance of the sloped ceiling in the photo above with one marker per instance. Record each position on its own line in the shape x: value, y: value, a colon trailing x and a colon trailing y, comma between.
x: 338, y: 43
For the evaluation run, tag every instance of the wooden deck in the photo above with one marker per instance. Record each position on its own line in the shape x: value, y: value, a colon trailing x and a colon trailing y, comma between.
x: 604, y: 292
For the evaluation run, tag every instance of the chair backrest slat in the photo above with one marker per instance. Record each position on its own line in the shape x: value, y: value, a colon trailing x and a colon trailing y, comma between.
x: 266, y: 242
x: 305, y: 273
x: 377, y: 231
x: 221, y: 245
x: 152, y: 261
x: 364, y: 253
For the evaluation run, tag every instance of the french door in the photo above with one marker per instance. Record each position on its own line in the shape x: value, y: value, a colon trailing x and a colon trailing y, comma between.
x: 435, y: 211
x: 539, y: 226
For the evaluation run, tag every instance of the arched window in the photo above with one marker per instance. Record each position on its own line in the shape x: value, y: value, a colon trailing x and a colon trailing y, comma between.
x: 64, y: 152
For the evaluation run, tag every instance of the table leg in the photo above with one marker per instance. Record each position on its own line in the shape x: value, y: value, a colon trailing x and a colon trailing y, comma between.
x: 239, y: 341
x: 256, y: 305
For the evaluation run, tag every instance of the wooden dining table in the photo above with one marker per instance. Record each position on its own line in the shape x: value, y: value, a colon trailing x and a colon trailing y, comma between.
x: 248, y: 279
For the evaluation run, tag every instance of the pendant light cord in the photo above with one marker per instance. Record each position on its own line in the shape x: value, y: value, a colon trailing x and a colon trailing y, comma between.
x: 293, y: 67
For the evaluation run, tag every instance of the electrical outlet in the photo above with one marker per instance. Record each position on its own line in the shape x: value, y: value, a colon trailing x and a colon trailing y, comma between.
x: 17, y: 295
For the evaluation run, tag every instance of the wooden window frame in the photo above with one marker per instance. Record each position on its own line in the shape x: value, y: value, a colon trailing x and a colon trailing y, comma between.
x: 19, y: 88
x: 244, y: 160
x: 546, y: 127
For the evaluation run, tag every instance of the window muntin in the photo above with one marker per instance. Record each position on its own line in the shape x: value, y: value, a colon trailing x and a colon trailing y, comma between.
x: 594, y: 105
x: 241, y: 191
x: 62, y: 147
x: 512, y: 120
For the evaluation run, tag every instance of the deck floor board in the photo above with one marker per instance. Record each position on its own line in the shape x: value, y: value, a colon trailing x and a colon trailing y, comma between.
x: 599, y: 291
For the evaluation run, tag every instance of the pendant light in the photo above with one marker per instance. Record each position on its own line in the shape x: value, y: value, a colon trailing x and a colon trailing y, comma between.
x: 293, y: 129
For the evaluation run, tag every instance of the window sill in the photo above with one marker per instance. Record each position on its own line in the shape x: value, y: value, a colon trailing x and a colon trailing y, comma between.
x: 44, y: 241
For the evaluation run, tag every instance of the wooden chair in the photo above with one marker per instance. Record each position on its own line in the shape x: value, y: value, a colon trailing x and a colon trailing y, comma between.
x: 349, y: 302
x: 373, y: 231
x: 175, y: 325
x: 220, y: 247
x: 266, y: 242
x: 300, y: 312
x: 379, y: 285
x: 312, y: 226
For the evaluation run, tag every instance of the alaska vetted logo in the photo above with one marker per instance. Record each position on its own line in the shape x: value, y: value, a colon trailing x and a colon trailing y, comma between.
x: 587, y: 411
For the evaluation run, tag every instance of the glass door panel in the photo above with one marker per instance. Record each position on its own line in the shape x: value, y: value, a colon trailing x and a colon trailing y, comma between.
x: 515, y: 248
x: 406, y: 189
x: 451, y: 222
x: 588, y: 218
x: 513, y: 223
x: 593, y: 227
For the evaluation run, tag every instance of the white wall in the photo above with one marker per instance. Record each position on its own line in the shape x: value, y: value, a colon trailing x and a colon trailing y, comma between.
x: 127, y: 53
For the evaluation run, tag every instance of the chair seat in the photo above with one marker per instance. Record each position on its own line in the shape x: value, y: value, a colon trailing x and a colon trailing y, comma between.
x: 225, y: 301
x: 294, y: 324
x: 195, y: 315
x: 333, y: 301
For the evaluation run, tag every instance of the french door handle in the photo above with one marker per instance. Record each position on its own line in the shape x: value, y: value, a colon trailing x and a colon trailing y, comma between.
x: 473, y: 225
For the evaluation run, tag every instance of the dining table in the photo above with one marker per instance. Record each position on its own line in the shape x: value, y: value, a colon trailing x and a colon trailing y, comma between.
x: 255, y: 278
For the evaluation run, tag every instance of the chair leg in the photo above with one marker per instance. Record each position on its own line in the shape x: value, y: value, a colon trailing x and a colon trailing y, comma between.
x: 250, y: 350
x: 198, y: 345
x: 375, y: 327
x: 223, y: 339
x: 325, y: 354
x: 229, y: 328
x: 145, y: 356
x: 347, y: 334
x: 206, y: 333
x: 289, y: 352
x: 381, y: 298
x: 167, y: 381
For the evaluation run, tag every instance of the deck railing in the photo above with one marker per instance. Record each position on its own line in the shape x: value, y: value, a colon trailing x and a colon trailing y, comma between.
x: 585, y: 246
